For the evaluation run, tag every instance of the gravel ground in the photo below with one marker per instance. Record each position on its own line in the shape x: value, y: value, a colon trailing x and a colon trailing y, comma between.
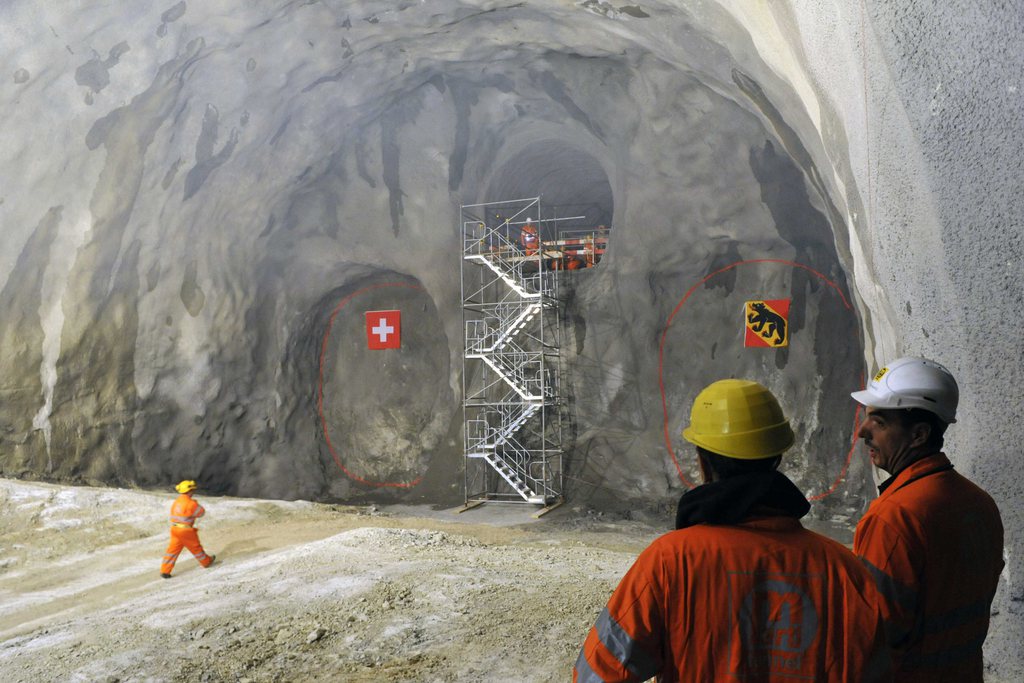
x: 300, y: 591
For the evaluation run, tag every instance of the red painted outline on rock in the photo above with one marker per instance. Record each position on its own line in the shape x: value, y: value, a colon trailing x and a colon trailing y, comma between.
x: 320, y: 390
x: 661, y: 358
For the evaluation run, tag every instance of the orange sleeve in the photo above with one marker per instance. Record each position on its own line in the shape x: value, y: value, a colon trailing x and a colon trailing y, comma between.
x: 884, y: 550
x: 627, y: 641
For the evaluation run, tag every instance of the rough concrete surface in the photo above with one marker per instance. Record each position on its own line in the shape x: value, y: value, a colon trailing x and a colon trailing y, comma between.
x: 200, y: 200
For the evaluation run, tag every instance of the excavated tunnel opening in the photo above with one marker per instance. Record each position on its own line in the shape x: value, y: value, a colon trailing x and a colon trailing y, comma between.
x: 574, y: 190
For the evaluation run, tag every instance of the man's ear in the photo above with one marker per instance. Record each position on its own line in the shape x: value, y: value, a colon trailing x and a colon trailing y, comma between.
x: 706, y: 474
x: 920, y: 432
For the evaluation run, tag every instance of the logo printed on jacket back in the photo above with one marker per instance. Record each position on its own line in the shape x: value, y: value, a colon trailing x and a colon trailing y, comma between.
x: 776, y: 623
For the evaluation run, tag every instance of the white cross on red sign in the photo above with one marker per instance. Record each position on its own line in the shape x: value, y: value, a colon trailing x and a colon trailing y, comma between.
x: 384, y: 329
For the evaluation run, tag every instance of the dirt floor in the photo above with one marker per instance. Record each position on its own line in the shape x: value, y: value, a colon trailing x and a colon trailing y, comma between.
x: 299, y: 591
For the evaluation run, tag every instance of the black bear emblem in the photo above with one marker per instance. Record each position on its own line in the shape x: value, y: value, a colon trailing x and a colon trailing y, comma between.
x: 767, y: 323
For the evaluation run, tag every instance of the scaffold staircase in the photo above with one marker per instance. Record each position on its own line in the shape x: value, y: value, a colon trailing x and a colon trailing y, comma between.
x: 511, y: 397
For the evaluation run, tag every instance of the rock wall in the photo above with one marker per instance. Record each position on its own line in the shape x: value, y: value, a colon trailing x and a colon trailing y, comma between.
x: 224, y: 212
x: 201, y: 200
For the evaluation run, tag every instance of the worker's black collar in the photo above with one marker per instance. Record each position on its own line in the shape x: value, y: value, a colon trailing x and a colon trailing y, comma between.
x: 733, y: 499
x: 940, y: 466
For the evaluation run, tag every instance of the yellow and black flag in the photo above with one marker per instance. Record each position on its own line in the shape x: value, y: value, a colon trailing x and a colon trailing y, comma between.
x: 767, y: 323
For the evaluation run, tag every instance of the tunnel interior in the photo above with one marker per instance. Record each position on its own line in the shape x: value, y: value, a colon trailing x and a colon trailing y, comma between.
x: 286, y: 185
x: 574, y: 190
x: 190, y: 192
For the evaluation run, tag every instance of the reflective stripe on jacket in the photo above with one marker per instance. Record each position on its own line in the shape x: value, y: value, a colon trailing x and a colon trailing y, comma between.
x: 186, y: 511
x: 934, y: 542
x: 528, y: 239
x: 763, y: 600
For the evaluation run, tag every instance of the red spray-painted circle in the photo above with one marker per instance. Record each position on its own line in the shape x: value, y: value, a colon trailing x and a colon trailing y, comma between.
x: 320, y: 390
x: 661, y: 358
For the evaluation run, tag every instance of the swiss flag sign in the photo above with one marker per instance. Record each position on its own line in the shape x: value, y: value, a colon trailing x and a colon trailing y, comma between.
x: 384, y: 329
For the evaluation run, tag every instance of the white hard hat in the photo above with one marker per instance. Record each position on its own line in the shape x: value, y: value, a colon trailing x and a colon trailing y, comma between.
x: 528, y: 219
x: 913, y: 383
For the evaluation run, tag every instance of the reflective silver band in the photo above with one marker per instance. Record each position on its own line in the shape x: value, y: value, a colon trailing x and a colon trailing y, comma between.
x: 622, y: 646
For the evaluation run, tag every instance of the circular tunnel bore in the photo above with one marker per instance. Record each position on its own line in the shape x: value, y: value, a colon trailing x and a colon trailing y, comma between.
x: 382, y: 415
x: 569, y: 181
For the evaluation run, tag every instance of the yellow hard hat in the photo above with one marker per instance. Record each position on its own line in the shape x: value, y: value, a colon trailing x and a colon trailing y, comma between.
x: 739, y: 419
x: 186, y: 486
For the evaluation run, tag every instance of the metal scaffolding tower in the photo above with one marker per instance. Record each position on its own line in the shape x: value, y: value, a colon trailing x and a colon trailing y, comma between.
x: 510, y: 379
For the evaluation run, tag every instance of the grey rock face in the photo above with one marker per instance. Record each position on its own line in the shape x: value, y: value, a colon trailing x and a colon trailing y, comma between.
x: 243, y: 195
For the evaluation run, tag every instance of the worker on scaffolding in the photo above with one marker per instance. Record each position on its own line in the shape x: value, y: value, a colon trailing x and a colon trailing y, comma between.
x: 566, y: 260
x: 528, y: 238
x: 596, y: 242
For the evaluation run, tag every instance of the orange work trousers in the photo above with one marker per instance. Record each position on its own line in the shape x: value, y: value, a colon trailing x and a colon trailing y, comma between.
x: 183, y: 537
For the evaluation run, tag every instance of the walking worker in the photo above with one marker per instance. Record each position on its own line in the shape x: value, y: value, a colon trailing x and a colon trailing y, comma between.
x: 184, y: 513
x: 933, y: 539
x: 741, y: 590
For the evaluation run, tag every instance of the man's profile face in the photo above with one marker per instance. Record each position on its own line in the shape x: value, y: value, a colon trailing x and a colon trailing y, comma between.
x: 888, y: 440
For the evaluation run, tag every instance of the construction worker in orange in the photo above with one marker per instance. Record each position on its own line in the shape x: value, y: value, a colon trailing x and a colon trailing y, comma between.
x: 528, y: 238
x: 185, y: 511
x: 932, y: 538
x: 741, y: 591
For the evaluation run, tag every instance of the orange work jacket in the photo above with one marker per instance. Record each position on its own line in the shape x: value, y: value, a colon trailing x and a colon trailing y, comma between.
x: 185, y: 511
x: 762, y: 600
x: 934, y: 542
x: 528, y: 239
